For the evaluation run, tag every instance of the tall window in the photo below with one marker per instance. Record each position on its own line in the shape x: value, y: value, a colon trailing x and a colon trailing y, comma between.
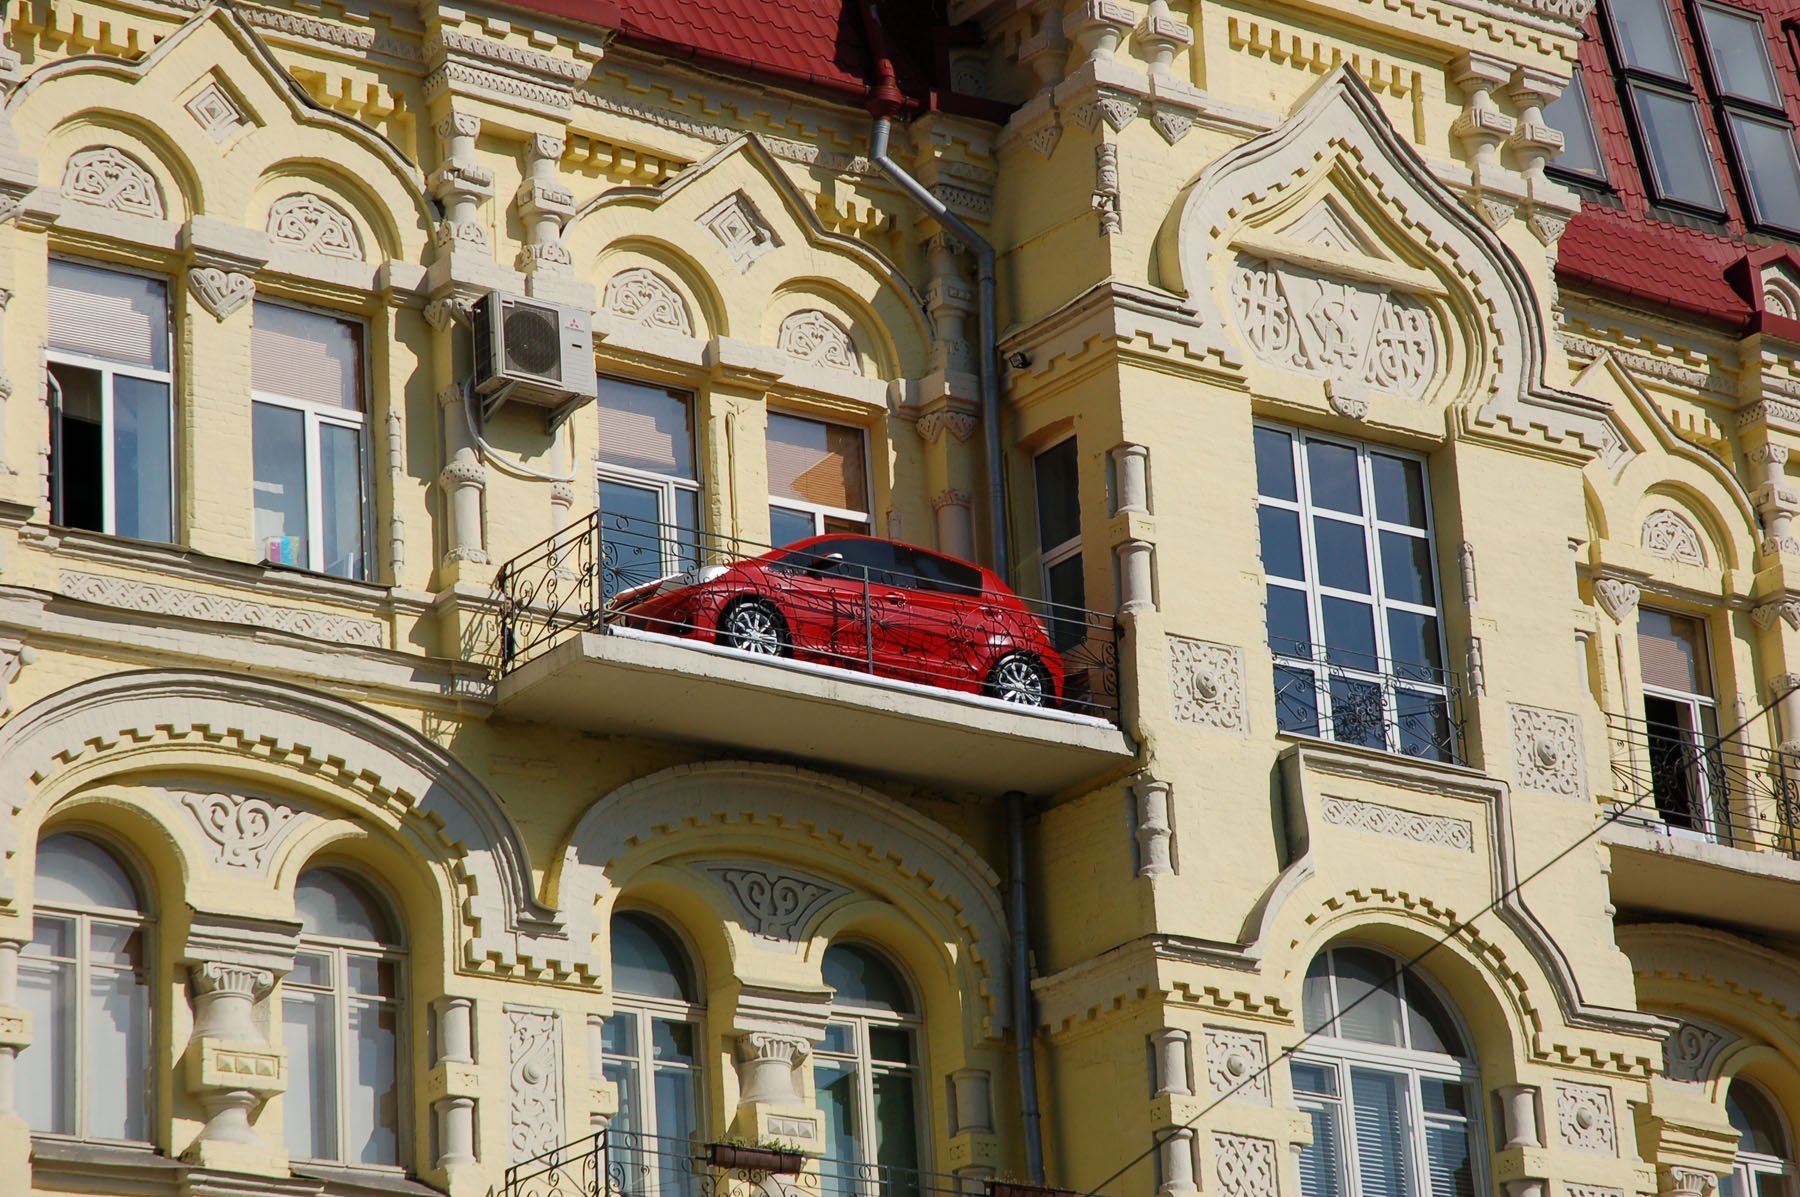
x: 1353, y: 615
x: 649, y: 491
x: 1682, y: 722
x: 818, y: 478
x: 1764, y: 1166
x: 307, y: 439
x: 867, y: 1075
x: 1667, y: 106
x: 340, y: 1017
x: 1386, y: 1081
x: 112, y: 465
x: 650, y: 1050
x: 1056, y: 476
x: 1571, y: 115
x: 85, y: 979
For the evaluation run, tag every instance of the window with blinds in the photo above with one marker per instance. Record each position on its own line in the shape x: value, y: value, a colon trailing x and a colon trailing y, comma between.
x: 112, y: 463
x: 646, y: 428
x: 1672, y: 653
x: 649, y: 492
x: 307, y: 356
x: 818, y: 478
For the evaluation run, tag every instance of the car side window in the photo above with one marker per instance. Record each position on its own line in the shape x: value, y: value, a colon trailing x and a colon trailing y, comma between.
x: 946, y: 575
x: 873, y: 556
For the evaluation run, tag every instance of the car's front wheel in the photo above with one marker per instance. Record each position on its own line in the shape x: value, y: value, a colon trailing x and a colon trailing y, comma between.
x: 755, y: 626
x: 1020, y: 678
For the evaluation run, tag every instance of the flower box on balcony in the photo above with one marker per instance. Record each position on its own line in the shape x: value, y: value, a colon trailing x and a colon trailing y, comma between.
x: 1002, y: 1188
x: 754, y: 1159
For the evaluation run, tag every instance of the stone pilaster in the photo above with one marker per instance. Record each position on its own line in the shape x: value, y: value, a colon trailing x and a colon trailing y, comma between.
x: 453, y: 1089
x: 15, y: 1036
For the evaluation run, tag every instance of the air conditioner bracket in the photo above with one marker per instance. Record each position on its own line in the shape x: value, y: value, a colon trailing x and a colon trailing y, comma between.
x: 491, y: 404
x: 557, y: 416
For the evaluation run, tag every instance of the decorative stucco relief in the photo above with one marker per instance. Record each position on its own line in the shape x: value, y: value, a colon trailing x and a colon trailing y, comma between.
x: 776, y: 903
x: 242, y: 832
x: 14, y: 656
x: 1246, y: 1166
x: 107, y: 177
x: 194, y: 604
x: 1206, y: 685
x: 215, y: 111
x: 1691, y: 1050
x: 812, y: 337
x: 1619, y: 599
x: 740, y: 229
x: 644, y: 297
x: 1591, y: 1191
x: 1354, y: 334
x: 1670, y: 536
x: 1235, y: 1064
x: 1584, y: 1118
x: 221, y: 292
x: 1547, y: 752
x: 314, y: 225
x: 534, y: 1081
x: 1437, y: 830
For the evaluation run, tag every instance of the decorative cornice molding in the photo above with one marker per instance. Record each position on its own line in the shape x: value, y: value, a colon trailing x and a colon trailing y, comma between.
x: 113, y: 591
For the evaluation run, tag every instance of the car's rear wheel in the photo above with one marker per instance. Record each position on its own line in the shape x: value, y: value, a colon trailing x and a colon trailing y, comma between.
x: 1020, y: 678
x: 755, y: 626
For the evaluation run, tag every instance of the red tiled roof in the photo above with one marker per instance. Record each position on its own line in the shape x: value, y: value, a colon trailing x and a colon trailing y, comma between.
x: 1650, y: 262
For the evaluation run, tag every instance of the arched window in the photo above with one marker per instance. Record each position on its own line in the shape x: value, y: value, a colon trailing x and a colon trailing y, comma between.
x: 1386, y: 1080
x: 1764, y: 1166
x: 867, y: 1075
x: 649, y: 1045
x: 85, y: 979
x: 340, y: 1018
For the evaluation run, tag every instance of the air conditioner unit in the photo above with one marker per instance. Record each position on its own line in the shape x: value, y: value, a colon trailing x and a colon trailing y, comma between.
x: 528, y: 351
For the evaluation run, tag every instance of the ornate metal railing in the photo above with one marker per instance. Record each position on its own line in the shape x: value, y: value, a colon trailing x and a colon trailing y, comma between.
x: 931, y: 628
x: 1391, y: 705
x: 1687, y: 783
x: 617, y: 1163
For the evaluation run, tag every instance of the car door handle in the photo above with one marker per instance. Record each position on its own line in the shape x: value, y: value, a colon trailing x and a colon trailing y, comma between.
x: 894, y: 599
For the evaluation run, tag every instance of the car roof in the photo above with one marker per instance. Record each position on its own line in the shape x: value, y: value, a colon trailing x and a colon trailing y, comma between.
x: 986, y: 573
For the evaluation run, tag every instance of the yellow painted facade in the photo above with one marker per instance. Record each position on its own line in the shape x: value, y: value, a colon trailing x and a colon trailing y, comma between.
x: 1327, y: 219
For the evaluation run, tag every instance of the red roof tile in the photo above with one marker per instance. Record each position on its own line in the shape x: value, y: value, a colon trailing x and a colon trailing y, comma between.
x: 1657, y: 264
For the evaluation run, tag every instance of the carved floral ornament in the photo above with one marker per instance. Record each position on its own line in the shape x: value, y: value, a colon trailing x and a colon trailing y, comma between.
x: 812, y: 337
x: 1671, y: 536
x: 643, y: 297
x: 313, y: 224
x: 108, y: 177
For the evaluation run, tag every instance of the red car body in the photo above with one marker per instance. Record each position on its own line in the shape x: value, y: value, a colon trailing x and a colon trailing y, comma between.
x: 862, y: 603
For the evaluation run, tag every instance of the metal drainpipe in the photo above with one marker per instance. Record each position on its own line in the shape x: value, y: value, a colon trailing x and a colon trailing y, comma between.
x: 988, y: 361
x: 1024, y: 1022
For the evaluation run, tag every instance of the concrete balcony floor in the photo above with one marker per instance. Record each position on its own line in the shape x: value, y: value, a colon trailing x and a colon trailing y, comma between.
x: 635, y: 683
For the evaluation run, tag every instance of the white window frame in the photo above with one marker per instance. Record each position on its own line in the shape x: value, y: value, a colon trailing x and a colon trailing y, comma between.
x: 818, y: 512
x: 84, y: 918
x: 1747, y: 1166
x: 644, y: 1119
x: 339, y: 998
x: 860, y: 1019
x: 1384, y: 677
x: 317, y: 415
x: 1324, y: 1050
x: 1050, y: 556
x: 108, y: 370
x: 666, y: 486
x: 1696, y: 706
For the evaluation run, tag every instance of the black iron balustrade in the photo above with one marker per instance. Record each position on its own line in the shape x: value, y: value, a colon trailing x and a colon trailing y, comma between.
x: 1686, y: 782
x: 1406, y: 707
x: 930, y: 630
x: 621, y: 1163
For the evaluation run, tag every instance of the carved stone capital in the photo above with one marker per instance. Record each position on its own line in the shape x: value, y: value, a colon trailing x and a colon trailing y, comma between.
x: 236, y: 980
x: 790, y: 1050
x: 1768, y: 455
x: 1786, y: 610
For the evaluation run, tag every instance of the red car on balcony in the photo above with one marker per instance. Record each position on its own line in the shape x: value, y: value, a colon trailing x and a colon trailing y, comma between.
x: 862, y: 603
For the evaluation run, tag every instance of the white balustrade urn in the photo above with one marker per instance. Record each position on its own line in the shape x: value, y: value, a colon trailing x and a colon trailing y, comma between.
x: 1206, y: 685
x: 972, y: 1089
x: 456, y: 1131
x: 1237, y: 1065
x: 766, y: 1068
x: 1584, y: 1118
x: 1169, y: 1052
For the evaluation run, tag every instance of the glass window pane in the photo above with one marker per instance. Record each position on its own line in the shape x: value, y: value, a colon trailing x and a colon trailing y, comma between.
x: 1383, y: 1156
x: 896, y: 1120
x: 1367, y: 997
x: 1316, y: 1003
x: 341, y: 500
x: 1679, y: 161
x: 633, y: 548
x: 672, y: 1042
x: 1332, y: 476
x: 1432, y: 1029
x: 1057, y: 474
x: 624, y: 1074
x: 371, y: 1102
x: 115, y: 946
x: 618, y: 1035
x: 1417, y: 653
x: 78, y: 494
x: 306, y: 355
x: 1672, y: 652
x: 1646, y: 37
x: 1440, y: 1096
x: 1571, y: 115
x: 840, y: 1038
x: 817, y: 462
x: 73, y: 870
x: 646, y: 428
x: 1423, y: 720
x: 1313, y: 1078
x: 1399, y: 489
x: 143, y: 491
x: 51, y: 937
x: 1296, y: 701
x: 45, y: 1070
x: 1321, y: 1166
x: 1739, y: 49
x: 278, y: 457
x: 863, y: 979
x: 370, y: 976
x: 647, y: 960
x: 1349, y: 633
x: 687, y: 528
x: 1275, y: 463
x: 1290, y: 634
x: 309, y: 1119
x: 118, y: 1055
x: 891, y: 1045
x: 310, y: 968
x: 1065, y: 585
x: 1766, y: 154
x: 332, y: 905
x: 1343, y: 554
x: 1447, y: 1159
x: 786, y: 526
x: 1281, y: 542
x: 1754, y: 1118
x: 835, y: 1081
x: 1406, y: 569
x: 675, y: 1124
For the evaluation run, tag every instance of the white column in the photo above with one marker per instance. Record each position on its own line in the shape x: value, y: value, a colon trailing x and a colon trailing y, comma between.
x: 455, y: 1111
x: 1519, y: 1111
x: 14, y: 1034
x: 1170, y: 1053
x: 1176, y: 1146
x: 766, y: 1064
x: 974, y: 1105
x: 1155, y: 834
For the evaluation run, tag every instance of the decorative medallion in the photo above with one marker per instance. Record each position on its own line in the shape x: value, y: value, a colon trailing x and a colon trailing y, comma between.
x: 1672, y: 537
x: 776, y: 903
x: 812, y: 337
x: 1206, y: 685
x: 314, y: 225
x: 107, y: 177
x: 644, y: 297
x: 740, y: 229
x: 1547, y: 752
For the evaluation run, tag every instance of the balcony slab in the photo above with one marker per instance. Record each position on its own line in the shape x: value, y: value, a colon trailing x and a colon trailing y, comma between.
x: 635, y: 683
x: 1656, y: 872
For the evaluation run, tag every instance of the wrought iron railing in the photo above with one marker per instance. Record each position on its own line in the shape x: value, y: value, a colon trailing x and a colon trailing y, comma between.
x: 936, y: 627
x: 1685, y: 782
x: 618, y: 1163
x: 1398, y: 706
